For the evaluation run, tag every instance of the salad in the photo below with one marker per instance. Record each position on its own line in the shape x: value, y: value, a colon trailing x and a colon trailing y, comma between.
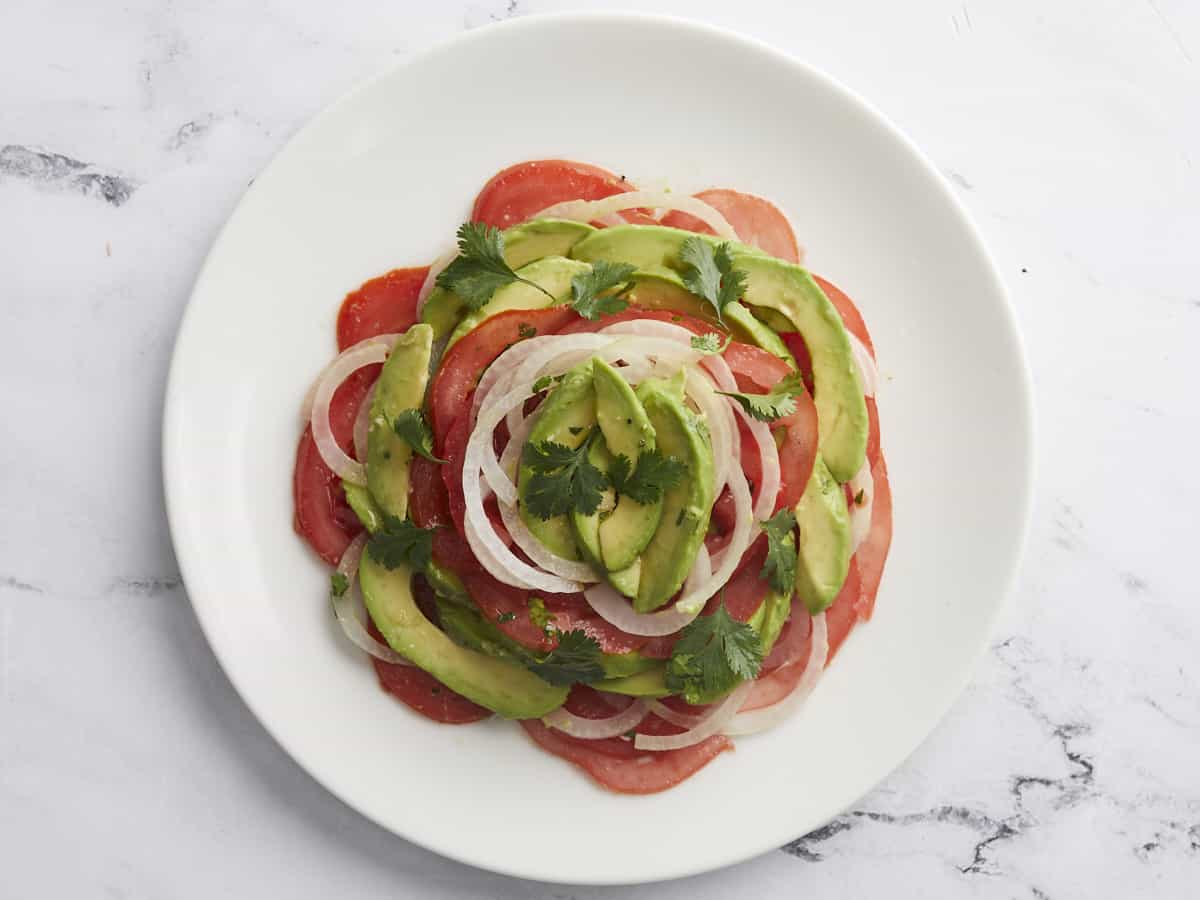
x: 611, y: 468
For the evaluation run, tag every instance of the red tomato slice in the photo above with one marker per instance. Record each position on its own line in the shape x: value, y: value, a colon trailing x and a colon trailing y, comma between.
x: 756, y: 221
x: 778, y: 680
x: 459, y: 371
x: 614, y: 762
x: 383, y: 305
x: 848, y: 311
x: 755, y: 369
x: 843, y: 612
x: 872, y: 554
x: 322, y: 515
x: 691, y: 323
x: 419, y: 690
x: 518, y: 192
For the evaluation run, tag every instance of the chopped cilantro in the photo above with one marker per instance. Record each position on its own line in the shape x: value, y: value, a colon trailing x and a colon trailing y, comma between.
x: 575, y: 429
x: 400, y: 542
x: 525, y: 330
x: 712, y: 655
x: 779, y: 568
x: 778, y: 402
x: 538, y: 615
x: 563, y: 480
x: 710, y: 343
x: 593, y: 291
x: 412, y: 427
x: 710, y: 274
x: 338, y: 584
x: 653, y: 474
x: 505, y: 617
x: 480, y: 270
x: 575, y: 659
x: 861, y: 497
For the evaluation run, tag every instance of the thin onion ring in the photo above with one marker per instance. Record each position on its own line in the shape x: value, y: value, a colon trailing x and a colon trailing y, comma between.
x: 597, y: 729
x: 714, y: 722
x: 594, y: 210
x: 769, y: 716
x: 364, y: 353
x: 344, y: 608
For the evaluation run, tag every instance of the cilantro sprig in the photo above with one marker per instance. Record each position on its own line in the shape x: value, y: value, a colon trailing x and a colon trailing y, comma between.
x: 710, y: 343
x: 712, y: 655
x: 779, y: 568
x: 563, y: 479
x: 400, y: 542
x: 645, y: 482
x: 778, y: 402
x: 709, y: 273
x: 576, y: 659
x: 338, y: 585
x: 411, y: 427
x: 480, y: 270
x: 592, y: 291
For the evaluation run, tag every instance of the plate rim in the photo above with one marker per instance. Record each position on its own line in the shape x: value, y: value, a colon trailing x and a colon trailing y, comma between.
x: 1023, y: 390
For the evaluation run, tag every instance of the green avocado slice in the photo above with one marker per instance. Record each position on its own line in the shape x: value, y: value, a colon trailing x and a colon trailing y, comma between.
x: 687, y: 506
x: 401, y: 387
x: 778, y: 289
x: 523, y: 244
x: 826, y: 540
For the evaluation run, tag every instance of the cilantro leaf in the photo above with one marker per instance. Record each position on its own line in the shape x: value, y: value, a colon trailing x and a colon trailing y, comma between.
x: 780, y: 566
x: 544, y: 382
x: 588, y: 289
x: 525, y: 330
x: 338, y: 584
x: 710, y: 274
x: 411, y: 426
x: 646, y: 482
x: 575, y: 659
x: 710, y: 343
x: 400, y: 542
x: 776, y: 403
x: 712, y: 655
x: 563, y: 479
x: 480, y: 270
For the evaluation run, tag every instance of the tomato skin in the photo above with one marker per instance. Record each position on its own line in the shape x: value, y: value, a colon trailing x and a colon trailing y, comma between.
x: 517, y: 193
x: 383, y: 305
x: 615, y: 763
x: 848, y: 311
x: 756, y: 221
x: 322, y: 516
x: 459, y: 370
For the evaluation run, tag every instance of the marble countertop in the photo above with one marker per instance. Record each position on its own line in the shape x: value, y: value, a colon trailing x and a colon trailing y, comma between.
x: 1068, y: 769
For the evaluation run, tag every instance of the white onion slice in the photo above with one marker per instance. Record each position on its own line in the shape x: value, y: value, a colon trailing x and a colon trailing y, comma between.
x: 344, y: 608
x: 597, y: 729
x: 362, y: 424
x: 860, y: 515
x: 538, y: 552
x: 770, y: 716
x: 365, y: 353
x: 713, y: 722
x: 683, y: 720
x: 617, y: 610
x: 596, y: 210
x: 435, y: 269
x: 868, y: 373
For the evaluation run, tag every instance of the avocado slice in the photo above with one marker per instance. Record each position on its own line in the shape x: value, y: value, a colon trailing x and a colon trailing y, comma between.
x: 826, y: 540
x: 686, y: 508
x: 650, y: 683
x: 553, y: 273
x: 504, y: 687
x: 783, y: 289
x: 401, y: 386
x: 566, y: 417
x: 587, y: 528
x: 627, y: 431
x: 523, y: 244
x: 367, y: 510
x: 747, y: 328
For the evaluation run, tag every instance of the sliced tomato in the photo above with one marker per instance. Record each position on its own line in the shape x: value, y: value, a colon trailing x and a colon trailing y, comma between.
x: 783, y: 667
x: 872, y: 554
x: 459, y: 370
x: 743, y: 594
x: 416, y: 688
x: 691, y: 323
x: 383, y: 305
x: 848, y: 311
x: 795, y: 344
x: 322, y: 515
x: 615, y: 763
x: 755, y: 369
x: 842, y: 614
x: 756, y: 221
x: 517, y: 193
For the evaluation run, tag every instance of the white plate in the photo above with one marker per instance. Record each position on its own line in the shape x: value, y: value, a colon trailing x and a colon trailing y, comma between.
x: 381, y: 179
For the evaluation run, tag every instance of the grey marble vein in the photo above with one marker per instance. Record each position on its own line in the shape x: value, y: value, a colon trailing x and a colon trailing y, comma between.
x: 55, y: 170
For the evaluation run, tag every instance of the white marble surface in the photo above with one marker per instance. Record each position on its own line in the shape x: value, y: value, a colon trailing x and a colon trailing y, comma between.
x: 1068, y: 769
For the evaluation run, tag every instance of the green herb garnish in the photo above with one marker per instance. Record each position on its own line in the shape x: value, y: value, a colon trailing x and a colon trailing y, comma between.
x: 710, y: 274
x: 338, y: 584
x: 593, y: 291
x: 400, y: 542
x: 480, y: 270
x: 411, y: 426
x: 538, y: 615
x: 778, y: 402
x: 525, y: 330
x: 861, y: 497
x: 576, y: 659
x: 563, y: 480
x: 505, y: 617
x: 779, y: 568
x: 710, y: 343
x: 712, y: 655
x: 653, y: 474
